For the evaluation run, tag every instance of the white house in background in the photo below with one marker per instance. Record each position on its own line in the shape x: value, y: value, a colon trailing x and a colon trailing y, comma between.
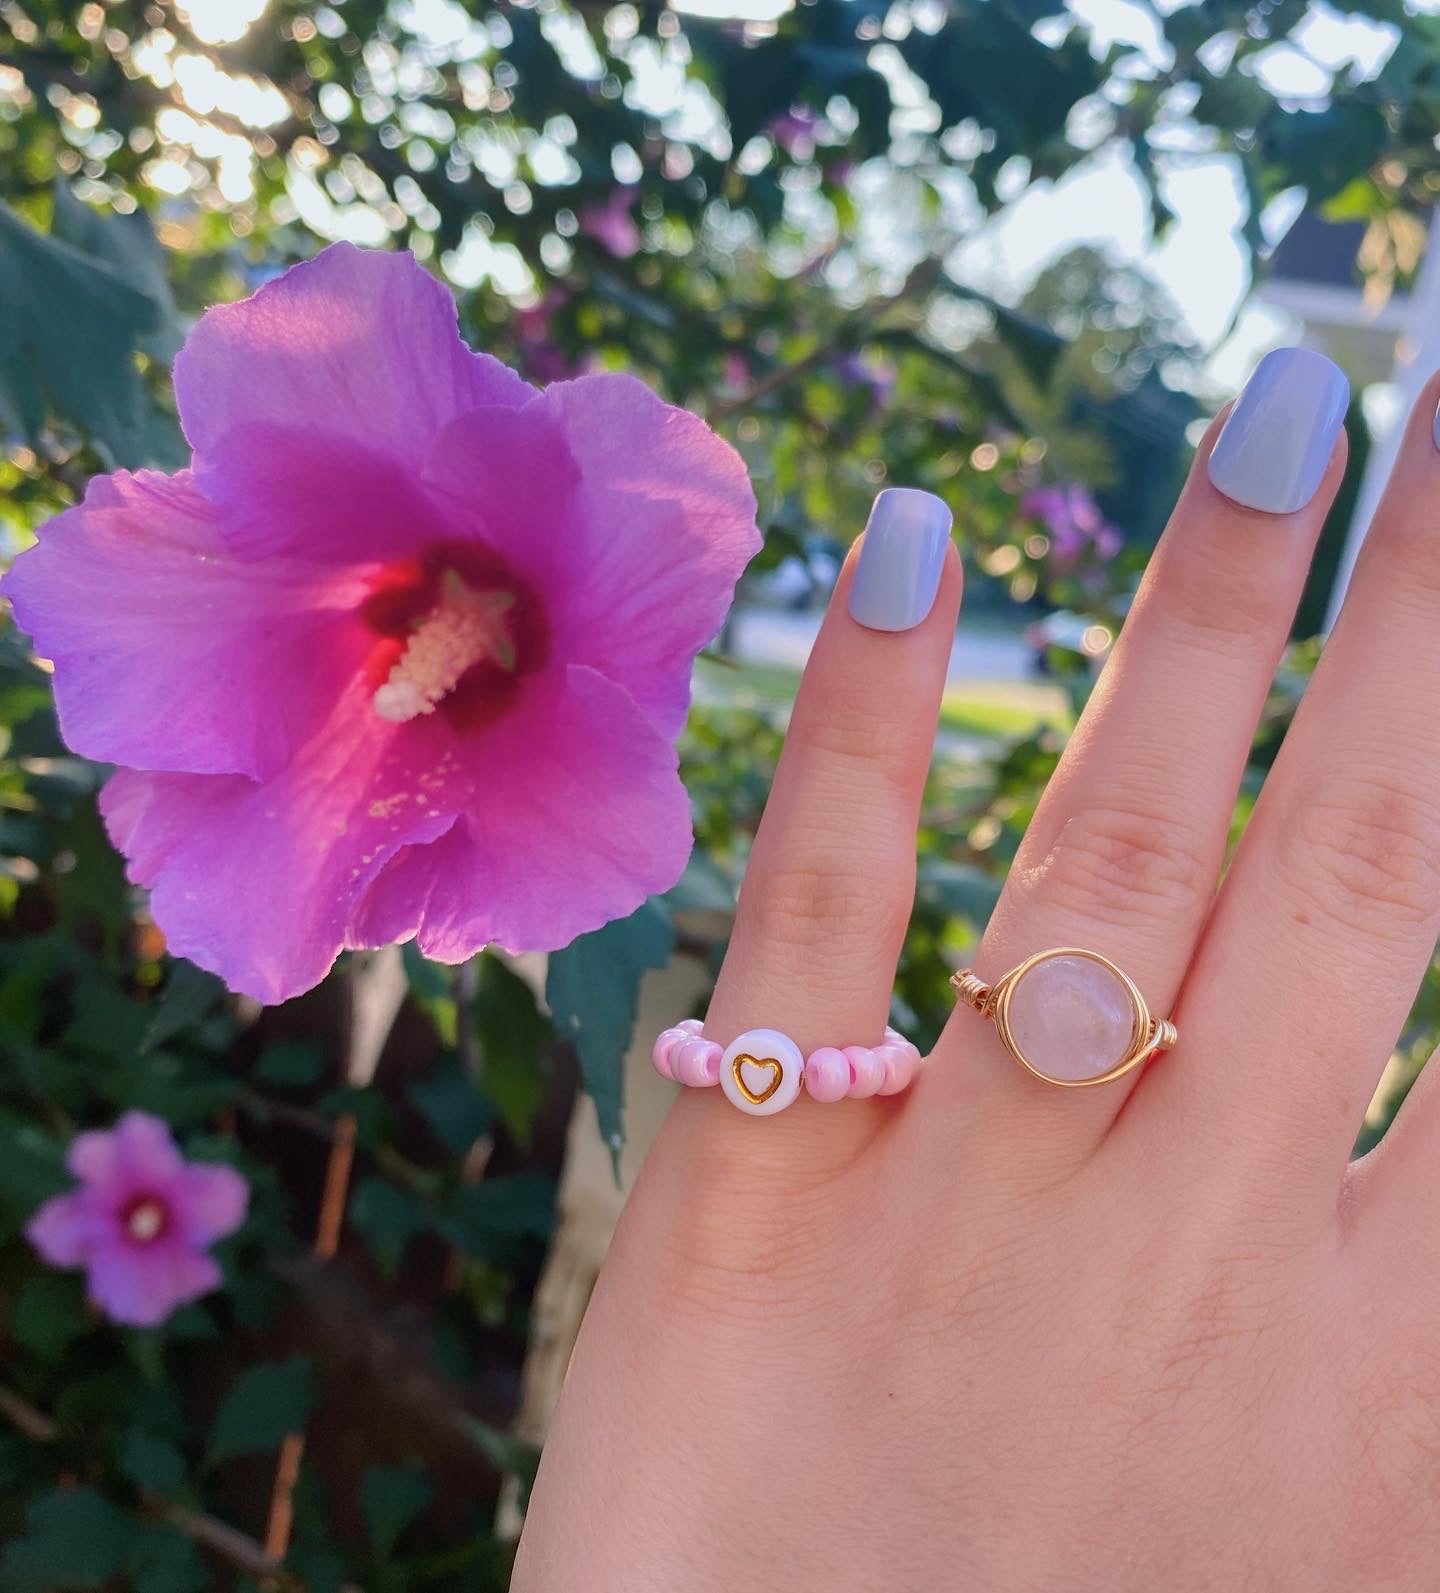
x: 1312, y: 277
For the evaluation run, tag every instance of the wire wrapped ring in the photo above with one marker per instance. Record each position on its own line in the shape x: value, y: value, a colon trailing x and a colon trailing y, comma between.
x: 1068, y: 1016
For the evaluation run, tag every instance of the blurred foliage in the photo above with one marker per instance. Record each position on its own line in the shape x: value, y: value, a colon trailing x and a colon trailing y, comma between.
x: 762, y: 219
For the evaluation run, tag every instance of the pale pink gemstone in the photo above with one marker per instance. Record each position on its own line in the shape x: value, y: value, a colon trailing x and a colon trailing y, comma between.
x: 1071, y: 1018
x: 868, y: 1071
x: 827, y: 1074
x: 696, y: 1062
x: 660, y: 1051
x: 901, y: 1060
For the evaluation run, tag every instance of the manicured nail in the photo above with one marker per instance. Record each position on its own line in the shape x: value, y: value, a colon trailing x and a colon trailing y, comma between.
x: 900, y: 560
x: 1273, y: 449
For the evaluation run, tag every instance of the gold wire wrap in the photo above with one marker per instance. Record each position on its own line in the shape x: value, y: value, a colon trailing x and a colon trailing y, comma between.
x: 1147, y: 1036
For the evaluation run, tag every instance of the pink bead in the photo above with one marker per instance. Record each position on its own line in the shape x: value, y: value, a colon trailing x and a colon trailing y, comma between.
x: 660, y: 1051
x: 900, y: 1060
x: 696, y: 1062
x: 867, y: 1070
x: 690, y: 1026
x: 827, y: 1074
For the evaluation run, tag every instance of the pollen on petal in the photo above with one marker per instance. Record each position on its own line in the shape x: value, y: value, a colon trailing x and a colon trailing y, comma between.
x: 464, y: 628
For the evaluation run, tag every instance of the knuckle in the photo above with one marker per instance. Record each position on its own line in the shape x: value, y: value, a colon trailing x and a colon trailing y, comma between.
x: 1108, y: 861
x: 1367, y: 854
x: 1404, y: 541
x: 819, y: 903
x: 871, y: 741
x: 1213, y: 599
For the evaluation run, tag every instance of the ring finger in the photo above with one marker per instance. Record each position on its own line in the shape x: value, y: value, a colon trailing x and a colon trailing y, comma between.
x: 1124, y: 851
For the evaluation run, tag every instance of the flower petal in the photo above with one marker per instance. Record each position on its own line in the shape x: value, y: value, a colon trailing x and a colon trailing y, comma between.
x: 146, y: 1151
x: 316, y: 494
x: 667, y: 524
x: 509, y: 473
x: 208, y: 1201
x: 353, y: 358
x: 257, y: 881
x: 632, y: 517
x: 67, y: 1228
x: 94, y: 1158
x: 141, y: 1284
x: 171, y: 654
x: 578, y: 815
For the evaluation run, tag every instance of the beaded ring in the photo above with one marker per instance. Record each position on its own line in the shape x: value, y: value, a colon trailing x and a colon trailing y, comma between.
x: 762, y: 1071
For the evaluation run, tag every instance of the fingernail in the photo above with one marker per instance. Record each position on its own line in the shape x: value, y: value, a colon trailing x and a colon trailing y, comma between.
x: 1273, y: 449
x: 901, y: 558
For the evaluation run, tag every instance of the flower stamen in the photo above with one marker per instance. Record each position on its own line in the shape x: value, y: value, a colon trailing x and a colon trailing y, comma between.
x: 145, y: 1220
x: 464, y: 628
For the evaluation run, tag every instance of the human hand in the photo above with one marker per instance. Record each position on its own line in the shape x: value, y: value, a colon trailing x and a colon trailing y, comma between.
x: 991, y: 1334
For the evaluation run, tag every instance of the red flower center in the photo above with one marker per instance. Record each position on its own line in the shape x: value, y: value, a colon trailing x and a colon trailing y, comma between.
x: 145, y: 1219
x: 456, y: 632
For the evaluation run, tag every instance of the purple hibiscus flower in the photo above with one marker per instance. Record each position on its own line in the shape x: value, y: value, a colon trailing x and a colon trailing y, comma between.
x: 405, y: 652
x: 142, y: 1221
x: 1074, y: 522
x: 612, y: 225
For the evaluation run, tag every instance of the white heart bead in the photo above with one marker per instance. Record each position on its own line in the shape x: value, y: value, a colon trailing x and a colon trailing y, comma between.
x: 761, y: 1071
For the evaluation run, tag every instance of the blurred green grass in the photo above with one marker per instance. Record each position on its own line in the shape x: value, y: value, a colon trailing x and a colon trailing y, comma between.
x: 980, y: 710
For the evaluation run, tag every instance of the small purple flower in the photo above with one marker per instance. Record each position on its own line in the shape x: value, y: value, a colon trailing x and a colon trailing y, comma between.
x: 611, y: 224
x: 1073, y: 521
x: 540, y: 358
x: 142, y: 1221
x: 404, y: 654
x: 879, y: 376
x: 735, y: 372
x: 794, y: 131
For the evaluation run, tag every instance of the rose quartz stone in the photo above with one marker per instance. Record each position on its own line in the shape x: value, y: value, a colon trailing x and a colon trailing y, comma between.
x: 1071, y: 1018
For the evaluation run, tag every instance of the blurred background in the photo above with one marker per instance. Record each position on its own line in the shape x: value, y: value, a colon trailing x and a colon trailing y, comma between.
x: 1012, y: 251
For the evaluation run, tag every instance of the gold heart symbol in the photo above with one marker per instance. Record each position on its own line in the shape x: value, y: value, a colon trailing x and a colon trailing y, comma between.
x: 745, y: 1060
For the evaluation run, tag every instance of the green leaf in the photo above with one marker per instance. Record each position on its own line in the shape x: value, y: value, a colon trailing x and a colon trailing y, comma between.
x: 432, y: 992
x: 167, y: 1561
x: 151, y: 1462
x: 188, y: 996
x: 32, y: 1168
x: 392, y: 1499
x: 264, y: 1405
x: 69, y: 329
x: 75, y: 1538
x: 292, y: 1064
x: 513, y: 1036
x: 593, y: 990
x: 452, y: 1103
x: 486, y: 1216
x: 704, y: 886
x: 389, y: 1219
x: 127, y: 243
x: 961, y: 890
x: 509, y: 1455
x: 49, y: 1315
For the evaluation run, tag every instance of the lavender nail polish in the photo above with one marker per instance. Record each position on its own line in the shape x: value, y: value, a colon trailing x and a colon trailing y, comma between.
x: 898, y: 572
x: 1273, y: 449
